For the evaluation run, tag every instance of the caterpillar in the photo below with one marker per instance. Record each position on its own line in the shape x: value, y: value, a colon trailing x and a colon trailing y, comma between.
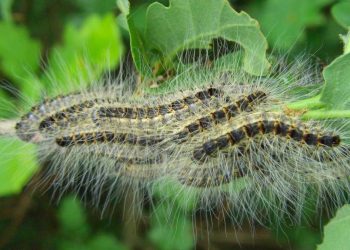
x: 214, y: 129
x: 264, y: 130
x: 262, y: 126
x: 111, y: 111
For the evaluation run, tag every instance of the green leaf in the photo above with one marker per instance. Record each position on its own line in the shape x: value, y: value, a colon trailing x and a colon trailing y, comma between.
x: 341, y: 13
x: 5, y: 7
x: 346, y: 41
x: 17, y: 165
x: 96, y: 6
x: 124, y: 6
x: 86, y: 52
x: 19, y: 53
x: 187, y: 24
x: 337, y: 84
x: 170, y: 232
x: 72, y: 218
x: 169, y: 191
x: 105, y: 242
x: 6, y: 110
x: 336, y: 232
x: 285, y: 22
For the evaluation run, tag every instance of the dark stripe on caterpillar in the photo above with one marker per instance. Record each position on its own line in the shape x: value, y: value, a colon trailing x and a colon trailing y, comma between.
x: 89, y: 138
x: 244, y: 104
x: 250, y: 130
x: 161, y: 110
x: 68, y: 114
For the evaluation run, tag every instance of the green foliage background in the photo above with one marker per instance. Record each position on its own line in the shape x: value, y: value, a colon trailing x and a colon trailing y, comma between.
x: 37, y: 35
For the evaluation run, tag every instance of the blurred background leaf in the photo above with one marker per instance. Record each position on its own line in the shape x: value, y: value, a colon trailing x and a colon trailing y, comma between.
x: 171, y: 232
x: 293, y: 16
x: 86, y: 52
x: 5, y: 7
x: 19, y: 53
x: 340, y: 12
x: 17, y: 165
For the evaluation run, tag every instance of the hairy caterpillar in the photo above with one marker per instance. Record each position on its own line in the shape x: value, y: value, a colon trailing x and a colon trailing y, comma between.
x: 111, y: 140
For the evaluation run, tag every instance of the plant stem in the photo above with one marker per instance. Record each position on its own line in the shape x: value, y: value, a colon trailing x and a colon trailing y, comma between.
x: 326, y: 114
x: 310, y: 103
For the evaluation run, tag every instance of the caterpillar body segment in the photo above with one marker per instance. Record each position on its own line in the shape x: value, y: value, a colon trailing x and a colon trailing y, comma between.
x: 232, y: 109
x: 160, y: 110
x: 95, y: 137
x: 28, y: 125
x: 265, y: 124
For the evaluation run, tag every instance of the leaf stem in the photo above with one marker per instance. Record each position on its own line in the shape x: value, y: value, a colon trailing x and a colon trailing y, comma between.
x: 310, y: 103
x: 326, y: 114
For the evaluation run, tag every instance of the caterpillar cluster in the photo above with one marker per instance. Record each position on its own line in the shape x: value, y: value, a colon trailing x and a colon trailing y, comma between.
x: 214, y: 130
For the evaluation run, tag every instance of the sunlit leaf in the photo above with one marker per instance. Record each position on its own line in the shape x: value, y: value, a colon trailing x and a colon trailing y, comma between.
x: 19, y: 53
x: 337, y: 77
x: 17, y: 165
x: 86, y: 52
x: 346, y: 41
x: 336, y: 232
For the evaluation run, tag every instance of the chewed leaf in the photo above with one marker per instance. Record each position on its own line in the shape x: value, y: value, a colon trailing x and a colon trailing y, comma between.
x: 336, y: 232
x: 194, y: 24
x: 337, y: 77
x: 17, y: 165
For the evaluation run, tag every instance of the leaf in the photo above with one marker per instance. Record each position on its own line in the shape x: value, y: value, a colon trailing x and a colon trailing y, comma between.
x: 285, y: 22
x: 124, y: 6
x: 17, y: 165
x: 19, y: 53
x: 86, y: 52
x: 337, y: 83
x: 341, y: 13
x: 96, y: 6
x: 72, y: 218
x: 5, y: 7
x: 169, y: 191
x: 346, y: 41
x: 105, y: 242
x: 336, y: 232
x: 193, y: 24
x: 170, y: 232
